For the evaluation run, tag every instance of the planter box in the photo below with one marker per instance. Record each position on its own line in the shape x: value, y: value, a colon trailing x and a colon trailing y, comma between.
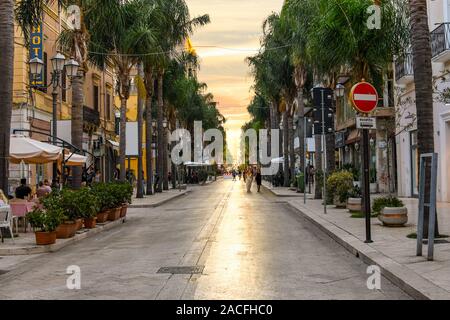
x: 354, y: 204
x: 79, y: 224
x: 102, y: 217
x: 114, y: 214
x: 123, y: 211
x: 90, y: 223
x: 66, y: 230
x: 394, y: 217
x: 45, y: 238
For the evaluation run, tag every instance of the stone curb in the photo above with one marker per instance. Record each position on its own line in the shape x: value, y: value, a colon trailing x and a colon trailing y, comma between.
x: 275, y: 193
x: 60, y: 243
x: 160, y: 203
x: 403, y: 277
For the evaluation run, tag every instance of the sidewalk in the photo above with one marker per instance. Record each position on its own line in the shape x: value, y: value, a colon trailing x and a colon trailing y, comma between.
x: 392, y: 251
x: 283, y: 192
x: 158, y: 199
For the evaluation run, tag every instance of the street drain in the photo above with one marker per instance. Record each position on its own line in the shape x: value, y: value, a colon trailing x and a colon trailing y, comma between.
x: 182, y: 270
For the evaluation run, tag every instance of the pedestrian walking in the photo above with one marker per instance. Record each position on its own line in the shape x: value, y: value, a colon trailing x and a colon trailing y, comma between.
x: 258, y: 179
x: 234, y: 175
x: 249, y: 180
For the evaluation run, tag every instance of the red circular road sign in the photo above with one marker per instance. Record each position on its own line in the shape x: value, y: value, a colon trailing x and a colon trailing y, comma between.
x: 364, y: 97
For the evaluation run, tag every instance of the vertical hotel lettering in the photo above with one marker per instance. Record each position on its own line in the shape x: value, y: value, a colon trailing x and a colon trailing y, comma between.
x: 36, y: 50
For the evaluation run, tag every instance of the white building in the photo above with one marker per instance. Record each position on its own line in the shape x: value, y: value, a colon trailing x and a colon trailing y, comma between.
x: 407, y: 154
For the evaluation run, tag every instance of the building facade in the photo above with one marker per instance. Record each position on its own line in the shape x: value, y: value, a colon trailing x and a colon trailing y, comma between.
x: 32, y: 107
x: 406, y: 139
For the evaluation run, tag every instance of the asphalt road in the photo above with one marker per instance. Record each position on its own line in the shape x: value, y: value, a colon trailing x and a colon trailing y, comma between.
x: 244, y: 246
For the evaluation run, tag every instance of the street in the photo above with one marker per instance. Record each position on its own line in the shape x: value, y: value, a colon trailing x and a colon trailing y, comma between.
x: 251, y: 247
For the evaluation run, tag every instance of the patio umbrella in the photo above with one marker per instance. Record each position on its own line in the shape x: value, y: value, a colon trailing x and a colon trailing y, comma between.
x: 31, y: 151
x: 75, y: 160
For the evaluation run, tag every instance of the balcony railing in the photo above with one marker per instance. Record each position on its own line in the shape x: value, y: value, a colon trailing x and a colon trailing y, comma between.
x: 91, y: 116
x: 440, y: 42
x: 404, y: 70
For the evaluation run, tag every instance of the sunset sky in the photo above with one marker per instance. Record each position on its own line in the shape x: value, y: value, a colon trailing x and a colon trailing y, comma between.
x: 235, y: 28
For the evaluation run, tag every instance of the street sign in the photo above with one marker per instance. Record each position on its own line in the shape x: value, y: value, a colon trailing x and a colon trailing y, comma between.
x: 366, y: 123
x: 364, y: 97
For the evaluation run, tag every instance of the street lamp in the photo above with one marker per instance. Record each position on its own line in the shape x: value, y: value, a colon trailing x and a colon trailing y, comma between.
x: 340, y: 90
x: 58, y: 65
x: 165, y: 123
x: 36, y: 66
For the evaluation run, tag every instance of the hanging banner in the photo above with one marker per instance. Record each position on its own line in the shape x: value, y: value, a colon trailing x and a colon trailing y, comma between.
x: 37, y: 50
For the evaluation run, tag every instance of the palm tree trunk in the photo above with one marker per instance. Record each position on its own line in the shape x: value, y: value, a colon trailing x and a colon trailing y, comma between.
x: 149, y: 133
x: 286, y: 148
x: 140, y: 108
x: 291, y: 148
x: 301, y: 135
x: 423, y: 76
x: 6, y: 87
x: 331, y: 152
x: 160, y: 131
x: 123, y: 137
x: 165, y: 162
x: 77, y: 123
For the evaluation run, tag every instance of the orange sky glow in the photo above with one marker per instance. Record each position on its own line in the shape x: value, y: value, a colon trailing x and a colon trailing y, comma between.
x: 235, y: 30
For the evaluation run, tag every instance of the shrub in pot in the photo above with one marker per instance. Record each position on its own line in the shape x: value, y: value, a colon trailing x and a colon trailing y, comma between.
x: 44, y: 223
x: 72, y: 218
x: 105, y: 200
x: 87, y: 206
x: 126, y: 196
x: 339, y: 184
x: 391, y: 211
x: 354, y: 201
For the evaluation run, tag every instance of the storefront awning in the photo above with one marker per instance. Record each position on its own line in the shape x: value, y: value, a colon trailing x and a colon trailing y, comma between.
x: 353, y: 137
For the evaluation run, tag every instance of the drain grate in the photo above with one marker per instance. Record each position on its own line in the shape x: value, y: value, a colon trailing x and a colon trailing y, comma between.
x: 437, y: 241
x: 182, y: 270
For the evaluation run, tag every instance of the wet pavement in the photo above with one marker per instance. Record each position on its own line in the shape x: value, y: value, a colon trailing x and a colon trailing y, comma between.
x: 233, y: 245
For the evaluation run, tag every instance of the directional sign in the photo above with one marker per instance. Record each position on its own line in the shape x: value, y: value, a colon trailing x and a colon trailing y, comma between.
x: 366, y: 123
x: 364, y: 97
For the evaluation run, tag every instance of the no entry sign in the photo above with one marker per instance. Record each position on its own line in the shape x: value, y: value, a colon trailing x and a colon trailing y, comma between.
x: 364, y: 97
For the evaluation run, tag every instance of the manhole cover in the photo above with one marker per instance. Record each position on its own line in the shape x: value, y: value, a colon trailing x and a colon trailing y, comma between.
x: 182, y: 270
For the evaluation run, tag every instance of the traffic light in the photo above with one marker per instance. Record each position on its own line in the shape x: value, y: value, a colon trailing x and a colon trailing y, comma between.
x: 323, y: 99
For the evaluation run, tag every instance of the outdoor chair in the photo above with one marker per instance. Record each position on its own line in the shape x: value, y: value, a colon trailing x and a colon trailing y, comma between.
x: 5, y: 221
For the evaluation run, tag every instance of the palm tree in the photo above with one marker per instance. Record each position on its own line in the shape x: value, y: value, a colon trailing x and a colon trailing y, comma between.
x: 140, y: 119
x: 173, y: 31
x: 423, y: 76
x: 6, y: 89
x: 121, y: 34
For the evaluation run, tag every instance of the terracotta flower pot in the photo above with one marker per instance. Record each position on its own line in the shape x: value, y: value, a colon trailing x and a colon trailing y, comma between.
x: 79, y: 224
x: 124, y: 210
x: 66, y: 230
x: 114, y: 214
x: 90, y: 223
x: 102, y: 217
x: 45, y: 238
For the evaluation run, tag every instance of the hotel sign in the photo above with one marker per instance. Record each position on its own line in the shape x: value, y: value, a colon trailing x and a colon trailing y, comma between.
x: 37, y: 50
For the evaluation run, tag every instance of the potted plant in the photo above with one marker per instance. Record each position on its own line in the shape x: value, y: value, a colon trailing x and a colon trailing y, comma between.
x: 127, y: 194
x: 44, y: 223
x: 87, y: 206
x: 354, y: 201
x: 115, y: 190
x: 67, y: 200
x: 105, y: 200
x: 391, y: 211
x: 339, y: 184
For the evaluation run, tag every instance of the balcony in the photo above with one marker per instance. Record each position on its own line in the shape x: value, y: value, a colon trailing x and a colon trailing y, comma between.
x: 440, y: 43
x: 91, y: 116
x: 404, y: 71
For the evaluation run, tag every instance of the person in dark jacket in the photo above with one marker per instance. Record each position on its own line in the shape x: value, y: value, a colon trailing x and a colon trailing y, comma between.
x: 258, y: 179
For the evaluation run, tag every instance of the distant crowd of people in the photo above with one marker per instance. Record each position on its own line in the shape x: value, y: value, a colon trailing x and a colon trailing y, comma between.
x: 249, y: 175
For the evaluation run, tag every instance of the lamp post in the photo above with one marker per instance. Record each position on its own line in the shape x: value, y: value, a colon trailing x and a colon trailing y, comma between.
x: 58, y: 65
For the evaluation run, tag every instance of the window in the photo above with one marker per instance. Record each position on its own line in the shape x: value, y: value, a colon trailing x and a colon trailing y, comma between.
x: 64, y: 84
x: 96, y: 98
x: 108, y: 106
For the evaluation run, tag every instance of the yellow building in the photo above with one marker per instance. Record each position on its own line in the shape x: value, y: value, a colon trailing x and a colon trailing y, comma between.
x: 33, y: 108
